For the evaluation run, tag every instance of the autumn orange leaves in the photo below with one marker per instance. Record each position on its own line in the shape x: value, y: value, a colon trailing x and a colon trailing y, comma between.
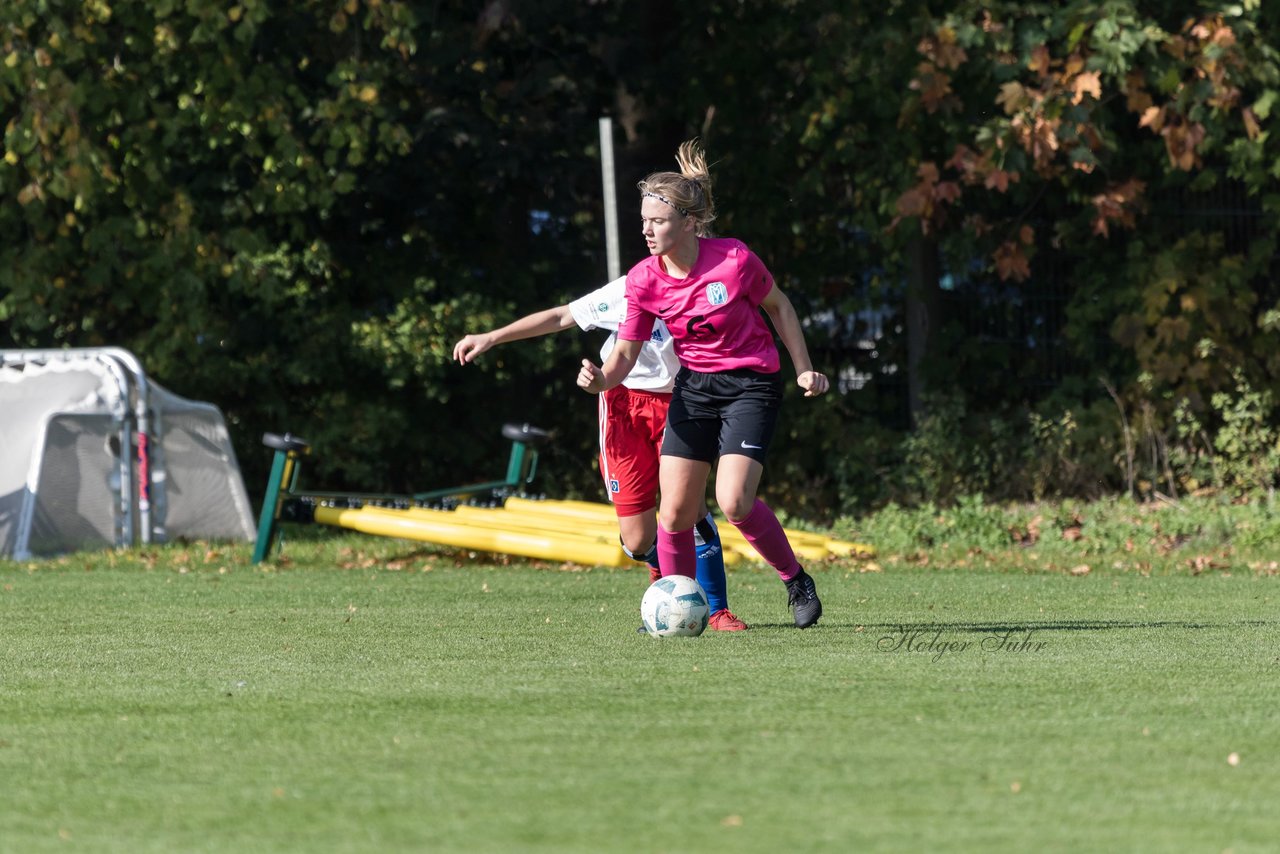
x: 1059, y: 105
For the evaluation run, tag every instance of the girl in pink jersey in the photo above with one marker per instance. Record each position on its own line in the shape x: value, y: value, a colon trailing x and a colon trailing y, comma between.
x: 725, y: 401
x: 631, y: 418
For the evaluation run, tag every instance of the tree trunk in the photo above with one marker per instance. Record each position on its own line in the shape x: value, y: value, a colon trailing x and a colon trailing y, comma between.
x: 921, y: 315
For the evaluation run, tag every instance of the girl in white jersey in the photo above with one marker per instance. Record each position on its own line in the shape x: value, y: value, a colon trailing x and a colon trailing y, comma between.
x: 631, y: 420
x: 727, y: 393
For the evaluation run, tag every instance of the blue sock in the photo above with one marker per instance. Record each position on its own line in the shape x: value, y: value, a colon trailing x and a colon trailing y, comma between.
x: 710, y: 568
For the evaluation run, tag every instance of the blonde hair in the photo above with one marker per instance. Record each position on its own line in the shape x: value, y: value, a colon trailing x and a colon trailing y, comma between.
x: 689, y: 191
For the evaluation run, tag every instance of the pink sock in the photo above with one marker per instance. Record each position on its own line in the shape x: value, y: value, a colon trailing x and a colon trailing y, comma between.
x: 676, y: 554
x: 763, y: 530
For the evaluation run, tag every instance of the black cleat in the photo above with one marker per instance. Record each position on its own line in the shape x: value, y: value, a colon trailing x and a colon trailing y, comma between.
x: 802, y: 597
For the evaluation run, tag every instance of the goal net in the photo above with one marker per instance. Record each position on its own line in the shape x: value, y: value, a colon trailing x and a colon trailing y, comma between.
x: 94, y: 454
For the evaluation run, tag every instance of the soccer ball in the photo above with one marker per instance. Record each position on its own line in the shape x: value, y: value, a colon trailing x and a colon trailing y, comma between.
x: 674, y: 606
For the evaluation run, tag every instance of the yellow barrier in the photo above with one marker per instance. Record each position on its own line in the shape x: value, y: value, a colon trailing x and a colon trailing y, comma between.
x: 524, y: 543
x: 588, y: 510
x: 584, y: 520
x: 499, y: 519
x: 578, y: 531
x: 807, y: 545
x: 492, y: 519
x: 605, y: 527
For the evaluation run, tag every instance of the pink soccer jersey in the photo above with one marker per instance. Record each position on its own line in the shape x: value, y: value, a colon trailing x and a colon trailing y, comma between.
x: 713, y: 314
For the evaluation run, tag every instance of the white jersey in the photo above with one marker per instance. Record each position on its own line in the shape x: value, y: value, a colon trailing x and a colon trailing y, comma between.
x: 606, y: 308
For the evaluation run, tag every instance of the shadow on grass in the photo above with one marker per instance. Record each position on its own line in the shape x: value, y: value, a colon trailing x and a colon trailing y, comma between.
x: 1029, y: 626
x: 1054, y: 625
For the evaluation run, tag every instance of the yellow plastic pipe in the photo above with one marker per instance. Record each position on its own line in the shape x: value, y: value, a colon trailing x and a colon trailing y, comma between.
x: 398, y: 523
x: 807, y: 545
x: 585, y: 523
x: 487, y: 517
x: 577, y: 531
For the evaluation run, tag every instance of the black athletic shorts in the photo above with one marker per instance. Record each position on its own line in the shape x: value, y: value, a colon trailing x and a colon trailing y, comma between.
x: 727, y: 412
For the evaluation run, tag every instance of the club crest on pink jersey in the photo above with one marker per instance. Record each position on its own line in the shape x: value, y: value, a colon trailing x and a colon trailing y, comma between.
x: 717, y: 293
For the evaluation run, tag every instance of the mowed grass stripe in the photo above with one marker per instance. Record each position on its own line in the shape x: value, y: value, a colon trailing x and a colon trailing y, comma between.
x: 514, y: 708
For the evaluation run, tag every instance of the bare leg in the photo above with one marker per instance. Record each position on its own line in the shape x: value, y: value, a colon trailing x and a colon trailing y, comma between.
x: 639, y: 532
x: 737, y: 479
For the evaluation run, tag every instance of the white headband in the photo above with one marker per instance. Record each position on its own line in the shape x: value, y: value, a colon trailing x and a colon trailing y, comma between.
x: 667, y: 201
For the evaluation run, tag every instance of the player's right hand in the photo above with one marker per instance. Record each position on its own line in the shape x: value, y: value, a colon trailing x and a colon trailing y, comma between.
x: 590, y: 377
x: 471, y: 346
x: 814, y: 383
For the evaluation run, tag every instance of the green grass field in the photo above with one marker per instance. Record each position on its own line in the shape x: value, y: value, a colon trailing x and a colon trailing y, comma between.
x: 368, y: 696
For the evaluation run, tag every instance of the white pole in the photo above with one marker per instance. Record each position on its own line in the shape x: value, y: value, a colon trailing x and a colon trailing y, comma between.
x: 610, y: 199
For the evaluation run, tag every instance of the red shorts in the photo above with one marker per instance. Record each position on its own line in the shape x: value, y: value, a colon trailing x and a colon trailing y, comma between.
x: 631, y: 426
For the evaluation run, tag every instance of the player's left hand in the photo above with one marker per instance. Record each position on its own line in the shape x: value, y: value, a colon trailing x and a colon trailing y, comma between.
x: 471, y: 346
x: 813, y: 383
x: 590, y: 377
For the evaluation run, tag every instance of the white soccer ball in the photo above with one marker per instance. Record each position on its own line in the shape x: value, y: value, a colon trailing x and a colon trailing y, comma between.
x: 675, y: 606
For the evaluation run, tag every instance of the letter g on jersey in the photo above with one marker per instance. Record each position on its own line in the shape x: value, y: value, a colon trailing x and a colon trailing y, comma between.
x: 698, y: 326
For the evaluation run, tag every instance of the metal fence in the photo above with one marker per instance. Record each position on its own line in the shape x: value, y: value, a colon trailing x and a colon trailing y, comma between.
x: 1009, y: 338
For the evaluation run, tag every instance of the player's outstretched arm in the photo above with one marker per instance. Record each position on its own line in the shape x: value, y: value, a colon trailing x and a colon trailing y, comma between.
x: 530, y: 326
x: 785, y: 321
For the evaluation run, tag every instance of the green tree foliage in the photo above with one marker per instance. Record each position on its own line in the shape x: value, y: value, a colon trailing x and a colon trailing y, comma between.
x: 1090, y: 147
x: 1109, y: 118
x: 294, y: 209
